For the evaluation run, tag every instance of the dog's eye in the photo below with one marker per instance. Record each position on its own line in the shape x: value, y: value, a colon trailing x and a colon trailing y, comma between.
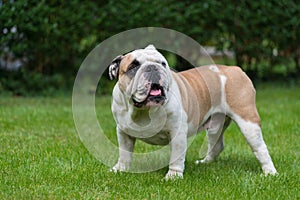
x: 133, y: 65
x: 163, y: 64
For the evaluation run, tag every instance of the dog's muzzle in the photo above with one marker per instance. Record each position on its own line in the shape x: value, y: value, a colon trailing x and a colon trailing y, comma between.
x: 151, y: 87
x: 156, y: 96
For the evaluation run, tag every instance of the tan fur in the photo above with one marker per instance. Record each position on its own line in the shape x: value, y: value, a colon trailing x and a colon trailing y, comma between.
x: 124, y: 80
x: 126, y: 61
x: 240, y: 94
x: 196, y: 92
x: 205, y: 86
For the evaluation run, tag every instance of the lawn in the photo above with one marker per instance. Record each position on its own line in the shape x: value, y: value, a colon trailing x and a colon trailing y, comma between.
x: 42, y: 157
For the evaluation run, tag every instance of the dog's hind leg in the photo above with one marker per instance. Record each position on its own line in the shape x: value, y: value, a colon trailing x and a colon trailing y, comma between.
x: 215, y: 136
x: 253, y: 134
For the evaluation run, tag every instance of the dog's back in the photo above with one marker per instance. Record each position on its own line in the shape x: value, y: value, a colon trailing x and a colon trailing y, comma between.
x: 226, y: 88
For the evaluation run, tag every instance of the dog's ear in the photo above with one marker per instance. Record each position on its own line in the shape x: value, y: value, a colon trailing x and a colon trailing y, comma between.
x: 150, y: 47
x: 114, y: 67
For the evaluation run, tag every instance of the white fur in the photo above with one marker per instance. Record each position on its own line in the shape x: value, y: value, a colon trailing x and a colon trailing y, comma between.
x: 253, y: 134
x: 214, y: 68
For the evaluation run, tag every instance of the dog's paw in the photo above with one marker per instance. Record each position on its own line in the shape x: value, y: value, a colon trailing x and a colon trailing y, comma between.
x: 173, y: 175
x: 114, y: 169
x: 269, y: 170
x: 204, y: 161
x: 118, y: 168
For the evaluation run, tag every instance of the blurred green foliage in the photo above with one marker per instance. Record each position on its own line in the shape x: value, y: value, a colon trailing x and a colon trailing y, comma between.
x: 55, y: 36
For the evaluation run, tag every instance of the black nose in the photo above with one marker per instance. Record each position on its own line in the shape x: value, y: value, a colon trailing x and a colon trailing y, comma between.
x: 151, y: 74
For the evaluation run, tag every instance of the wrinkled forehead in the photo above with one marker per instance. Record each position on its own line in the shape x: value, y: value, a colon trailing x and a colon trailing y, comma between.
x: 143, y: 55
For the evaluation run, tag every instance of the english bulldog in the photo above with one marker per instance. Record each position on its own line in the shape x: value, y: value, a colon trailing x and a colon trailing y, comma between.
x: 159, y: 106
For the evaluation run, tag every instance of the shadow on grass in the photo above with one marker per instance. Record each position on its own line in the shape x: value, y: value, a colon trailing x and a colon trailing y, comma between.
x: 234, y: 164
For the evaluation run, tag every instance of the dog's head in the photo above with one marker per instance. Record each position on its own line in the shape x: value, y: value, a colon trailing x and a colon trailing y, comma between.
x: 143, y: 76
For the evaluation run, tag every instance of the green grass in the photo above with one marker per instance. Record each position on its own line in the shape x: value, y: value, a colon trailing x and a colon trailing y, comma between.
x: 42, y: 157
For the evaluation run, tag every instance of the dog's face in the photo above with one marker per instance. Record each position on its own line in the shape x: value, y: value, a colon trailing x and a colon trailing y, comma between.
x: 143, y: 76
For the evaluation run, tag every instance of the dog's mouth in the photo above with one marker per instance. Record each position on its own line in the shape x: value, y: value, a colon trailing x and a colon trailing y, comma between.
x: 155, y: 97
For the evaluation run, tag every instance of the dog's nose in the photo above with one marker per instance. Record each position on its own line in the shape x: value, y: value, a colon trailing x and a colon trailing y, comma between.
x: 152, y: 74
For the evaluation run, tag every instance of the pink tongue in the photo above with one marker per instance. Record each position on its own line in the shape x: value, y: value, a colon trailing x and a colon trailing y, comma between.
x: 155, y: 92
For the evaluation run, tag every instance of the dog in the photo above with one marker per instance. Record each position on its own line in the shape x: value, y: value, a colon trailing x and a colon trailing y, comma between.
x: 184, y: 103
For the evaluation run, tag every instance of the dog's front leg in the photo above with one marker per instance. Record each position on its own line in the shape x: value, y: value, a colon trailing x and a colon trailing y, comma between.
x: 126, y: 145
x: 178, y: 150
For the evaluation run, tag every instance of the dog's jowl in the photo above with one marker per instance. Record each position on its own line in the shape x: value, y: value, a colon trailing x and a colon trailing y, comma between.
x: 185, y: 103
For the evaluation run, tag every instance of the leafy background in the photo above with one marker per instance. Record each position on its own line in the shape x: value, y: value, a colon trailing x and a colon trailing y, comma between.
x: 53, y: 37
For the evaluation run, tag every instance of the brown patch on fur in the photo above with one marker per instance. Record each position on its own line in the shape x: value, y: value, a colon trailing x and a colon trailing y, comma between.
x: 240, y: 93
x: 124, y: 80
x: 202, y: 89
x: 126, y: 61
x: 203, y: 85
